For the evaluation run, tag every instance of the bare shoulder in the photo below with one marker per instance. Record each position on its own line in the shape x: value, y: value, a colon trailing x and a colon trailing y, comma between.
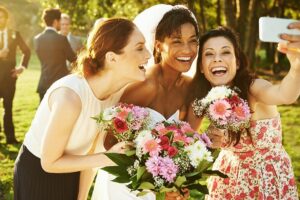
x: 259, y: 85
x: 65, y: 98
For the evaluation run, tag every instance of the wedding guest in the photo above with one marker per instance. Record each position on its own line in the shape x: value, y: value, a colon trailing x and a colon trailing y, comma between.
x: 53, y: 50
x: 65, y: 26
x: 55, y: 153
x: 255, y: 161
x: 9, y: 72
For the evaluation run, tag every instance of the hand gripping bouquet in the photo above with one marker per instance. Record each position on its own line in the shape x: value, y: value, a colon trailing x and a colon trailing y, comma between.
x: 224, y: 108
x: 169, y: 157
x: 123, y: 121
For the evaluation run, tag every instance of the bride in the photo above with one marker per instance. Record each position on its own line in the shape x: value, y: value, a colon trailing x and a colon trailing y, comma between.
x: 165, y: 89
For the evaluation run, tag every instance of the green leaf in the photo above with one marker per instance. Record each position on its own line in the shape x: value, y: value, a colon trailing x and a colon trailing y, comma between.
x: 130, y: 152
x: 215, y: 172
x: 201, y: 188
x: 121, y: 179
x: 180, y: 180
x: 120, y: 159
x: 165, y: 189
x: 116, y: 171
x: 192, y: 174
x: 140, y: 172
x: 195, y: 194
x: 142, y: 193
x: 146, y: 186
x: 160, y: 196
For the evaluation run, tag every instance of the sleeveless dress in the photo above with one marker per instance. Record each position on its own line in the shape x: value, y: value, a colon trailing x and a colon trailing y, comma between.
x: 31, y: 182
x: 105, y: 189
x: 260, y: 171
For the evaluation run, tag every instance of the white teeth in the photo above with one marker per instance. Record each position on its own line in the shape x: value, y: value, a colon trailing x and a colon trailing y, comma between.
x: 219, y: 69
x: 184, y: 58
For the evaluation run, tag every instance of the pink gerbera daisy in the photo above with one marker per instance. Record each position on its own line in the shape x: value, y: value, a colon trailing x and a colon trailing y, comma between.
x: 220, y: 109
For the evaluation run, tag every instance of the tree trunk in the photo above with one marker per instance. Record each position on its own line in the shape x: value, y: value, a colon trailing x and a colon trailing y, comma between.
x: 229, y: 10
x: 252, y: 33
x: 219, y: 12
x: 243, y: 21
x: 203, y: 20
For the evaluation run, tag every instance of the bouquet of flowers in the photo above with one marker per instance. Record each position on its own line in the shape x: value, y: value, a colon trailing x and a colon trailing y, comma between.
x: 124, y: 121
x: 224, y: 108
x: 169, y: 157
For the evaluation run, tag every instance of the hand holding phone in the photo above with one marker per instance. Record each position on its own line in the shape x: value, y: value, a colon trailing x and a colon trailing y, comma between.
x: 270, y: 28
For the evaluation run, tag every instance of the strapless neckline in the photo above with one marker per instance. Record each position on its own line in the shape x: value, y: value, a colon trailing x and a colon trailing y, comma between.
x: 174, y: 116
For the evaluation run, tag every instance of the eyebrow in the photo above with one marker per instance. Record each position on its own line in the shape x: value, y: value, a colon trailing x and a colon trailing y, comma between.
x: 224, y: 47
x: 139, y: 43
x: 179, y: 36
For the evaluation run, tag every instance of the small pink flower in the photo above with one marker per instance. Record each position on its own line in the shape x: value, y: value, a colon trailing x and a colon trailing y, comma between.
x: 122, y: 115
x: 220, y: 109
x: 152, y: 147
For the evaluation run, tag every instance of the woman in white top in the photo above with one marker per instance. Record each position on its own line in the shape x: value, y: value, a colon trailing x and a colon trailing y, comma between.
x: 55, y: 153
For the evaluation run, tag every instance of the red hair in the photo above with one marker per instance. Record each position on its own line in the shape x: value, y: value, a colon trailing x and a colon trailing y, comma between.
x: 110, y: 35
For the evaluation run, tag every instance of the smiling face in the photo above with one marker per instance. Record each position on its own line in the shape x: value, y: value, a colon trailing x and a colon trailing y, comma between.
x: 134, y: 57
x: 219, y: 61
x: 180, y: 49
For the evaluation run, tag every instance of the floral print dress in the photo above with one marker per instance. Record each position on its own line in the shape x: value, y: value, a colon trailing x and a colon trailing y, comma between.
x: 258, y: 169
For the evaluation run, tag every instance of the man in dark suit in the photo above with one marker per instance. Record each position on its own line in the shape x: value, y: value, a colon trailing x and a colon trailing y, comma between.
x: 9, y: 40
x: 53, y: 51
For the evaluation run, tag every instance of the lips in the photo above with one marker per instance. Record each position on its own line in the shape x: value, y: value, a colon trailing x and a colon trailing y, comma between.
x: 142, y: 67
x: 219, y: 70
x: 184, y: 58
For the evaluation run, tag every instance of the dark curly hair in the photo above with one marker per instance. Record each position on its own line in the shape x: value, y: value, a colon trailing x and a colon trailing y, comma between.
x: 170, y: 23
x: 243, y: 79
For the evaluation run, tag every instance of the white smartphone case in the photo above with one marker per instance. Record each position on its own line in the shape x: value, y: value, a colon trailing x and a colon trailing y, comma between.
x: 270, y: 28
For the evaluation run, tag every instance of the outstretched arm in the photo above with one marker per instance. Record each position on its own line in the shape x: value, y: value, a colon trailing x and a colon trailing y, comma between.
x: 289, y: 89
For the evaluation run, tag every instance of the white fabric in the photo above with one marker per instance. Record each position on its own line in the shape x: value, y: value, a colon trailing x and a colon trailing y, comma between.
x: 85, y: 129
x: 105, y: 189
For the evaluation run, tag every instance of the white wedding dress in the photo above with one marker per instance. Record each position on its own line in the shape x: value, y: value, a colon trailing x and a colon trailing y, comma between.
x: 106, y: 189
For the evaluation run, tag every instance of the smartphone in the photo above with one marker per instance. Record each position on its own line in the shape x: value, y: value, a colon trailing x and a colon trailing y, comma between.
x: 270, y: 28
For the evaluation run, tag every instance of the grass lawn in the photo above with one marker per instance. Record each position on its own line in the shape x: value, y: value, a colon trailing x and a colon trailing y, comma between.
x: 26, y: 102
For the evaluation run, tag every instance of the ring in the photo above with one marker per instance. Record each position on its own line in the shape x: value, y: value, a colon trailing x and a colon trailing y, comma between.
x: 294, y: 49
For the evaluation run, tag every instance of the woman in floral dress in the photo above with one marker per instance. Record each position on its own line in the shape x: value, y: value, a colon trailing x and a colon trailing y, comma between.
x: 255, y: 161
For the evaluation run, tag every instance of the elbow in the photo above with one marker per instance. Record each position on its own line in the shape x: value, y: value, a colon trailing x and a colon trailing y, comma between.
x: 287, y: 101
x: 47, y: 166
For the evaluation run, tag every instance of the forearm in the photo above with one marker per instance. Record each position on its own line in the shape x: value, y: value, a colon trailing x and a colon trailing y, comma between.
x: 289, y: 88
x: 75, y: 163
x: 86, y: 180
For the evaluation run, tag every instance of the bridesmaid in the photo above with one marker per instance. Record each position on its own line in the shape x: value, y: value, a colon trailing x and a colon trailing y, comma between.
x: 255, y: 161
x: 55, y: 150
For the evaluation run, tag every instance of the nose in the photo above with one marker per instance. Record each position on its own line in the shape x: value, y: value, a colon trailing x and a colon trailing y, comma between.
x: 187, y: 48
x: 148, y: 55
x: 217, y: 58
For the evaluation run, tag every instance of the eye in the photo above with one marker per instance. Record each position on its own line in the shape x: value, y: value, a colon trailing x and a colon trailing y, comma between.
x: 176, y: 41
x: 226, y: 52
x: 194, y: 41
x: 208, y: 54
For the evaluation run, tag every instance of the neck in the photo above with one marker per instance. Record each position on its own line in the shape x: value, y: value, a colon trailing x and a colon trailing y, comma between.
x: 168, y: 77
x: 106, y: 84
